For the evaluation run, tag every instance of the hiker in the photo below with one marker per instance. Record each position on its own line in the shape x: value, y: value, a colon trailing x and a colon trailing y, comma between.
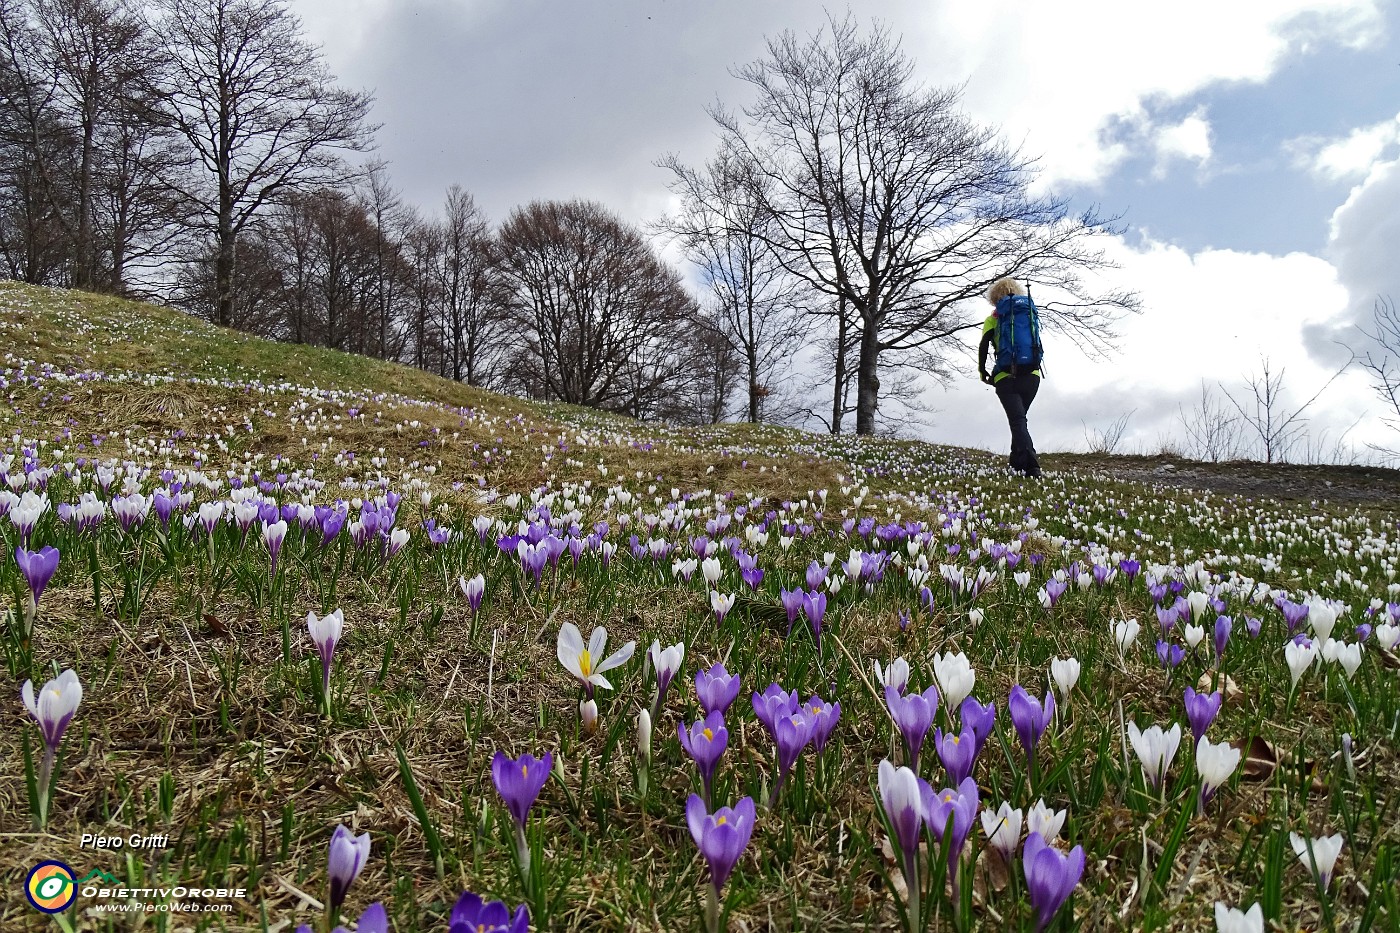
x: 1013, y: 331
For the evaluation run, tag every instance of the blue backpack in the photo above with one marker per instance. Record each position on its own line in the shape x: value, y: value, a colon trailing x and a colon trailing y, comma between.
x: 1018, y: 335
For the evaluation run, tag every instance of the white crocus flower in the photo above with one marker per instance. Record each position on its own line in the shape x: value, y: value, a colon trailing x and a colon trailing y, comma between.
x: 721, y: 603
x: 1299, y: 658
x: 1349, y: 657
x: 1322, y: 617
x: 1003, y: 829
x: 1065, y: 673
x: 583, y: 661
x: 1041, y: 819
x: 955, y: 676
x: 1193, y: 635
x: 711, y: 570
x: 1234, y: 920
x: 1155, y: 749
x: 1125, y: 633
x: 1319, y: 855
x: 1198, y: 602
x: 1215, y: 763
x: 896, y: 675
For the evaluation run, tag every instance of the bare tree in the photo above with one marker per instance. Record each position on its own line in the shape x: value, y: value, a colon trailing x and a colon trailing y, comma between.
x: 754, y: 299
x: 255, y: 102
x: 36, y: 155
x: 1264, y: 410
x: 1106, y: 440
x: 600, y: 316
x: 884, y: 195
x: 99, y: 56
x: 719, y: 371
x: 473, y: 295
x: 1212, y: 430
x: 388, y: 217
x: 1381, y: 362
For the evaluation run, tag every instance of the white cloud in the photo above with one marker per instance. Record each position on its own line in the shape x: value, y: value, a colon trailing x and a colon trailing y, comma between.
x: 1062, y: 73
x: 1350, y: 157
x: 1188, y: 140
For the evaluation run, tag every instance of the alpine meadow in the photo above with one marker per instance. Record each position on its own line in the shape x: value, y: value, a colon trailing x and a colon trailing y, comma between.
x: 372, y: 569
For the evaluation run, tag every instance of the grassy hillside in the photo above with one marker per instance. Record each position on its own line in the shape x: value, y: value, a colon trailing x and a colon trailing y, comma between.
x: 181, y: 603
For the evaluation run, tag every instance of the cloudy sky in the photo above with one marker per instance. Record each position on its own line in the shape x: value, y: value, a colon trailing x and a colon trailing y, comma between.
x: 1253, y: 147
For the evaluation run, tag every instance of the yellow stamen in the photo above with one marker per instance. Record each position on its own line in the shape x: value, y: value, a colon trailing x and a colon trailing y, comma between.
x: 585, y: 662
x: 709, y: 734
x: 719, y: 821
x: 524, y: 772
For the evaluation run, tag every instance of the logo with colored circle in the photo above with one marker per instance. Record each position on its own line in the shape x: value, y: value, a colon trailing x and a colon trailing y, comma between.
x: 50, y: 887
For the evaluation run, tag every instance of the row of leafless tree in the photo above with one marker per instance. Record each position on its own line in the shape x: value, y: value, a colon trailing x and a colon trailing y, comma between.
x: 199, y: 151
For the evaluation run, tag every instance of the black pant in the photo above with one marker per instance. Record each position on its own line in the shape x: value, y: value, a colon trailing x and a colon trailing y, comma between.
x: 1016, y: 394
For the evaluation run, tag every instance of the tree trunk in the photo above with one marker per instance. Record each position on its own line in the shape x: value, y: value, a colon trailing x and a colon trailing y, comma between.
x: 83, y: 271
x: 867, y: 379
x: 223, y: 275
x: 838, y: 403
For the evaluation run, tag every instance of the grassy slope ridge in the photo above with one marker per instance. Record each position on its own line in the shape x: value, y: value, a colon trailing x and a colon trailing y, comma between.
x: 194, y: 723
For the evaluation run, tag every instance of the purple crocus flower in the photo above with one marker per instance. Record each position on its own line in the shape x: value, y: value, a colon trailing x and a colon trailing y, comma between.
x: 1054, y: 589
x: 1295, y: 614
x: 348, y: 854
x: 1363, y: 631
x: 373, y: 920
x: 824, y: 717
x: 1201, y: 710
x: 164, y: 506
x: 705, y: 742
x: 473, y: 915
x: 1252, y: 626
x: 1167, y: 617
x: 814, y: 607
x: 816, y: 575
x: 772, y: 704
x: 1030, y: 718
x: 902, y: 796
x: 533, y: 558
x: 1129, y: 568
x: 912, y: 714
x: 979, y: 719
x: 54, y: 706
x: 791, y: 733
x: 1169, y: 655
x: 473, y: 589
x: 519, y: 781
x: 1223, y: 626
x: 792, y: 605
x: 330, y: 520
x: 1051, y: 876
x: 721, y: 836
x: 38, y: 568
x: 959, y: 806
x: 958, y: 753
x: 52, y: 709
x: 716, y: 689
